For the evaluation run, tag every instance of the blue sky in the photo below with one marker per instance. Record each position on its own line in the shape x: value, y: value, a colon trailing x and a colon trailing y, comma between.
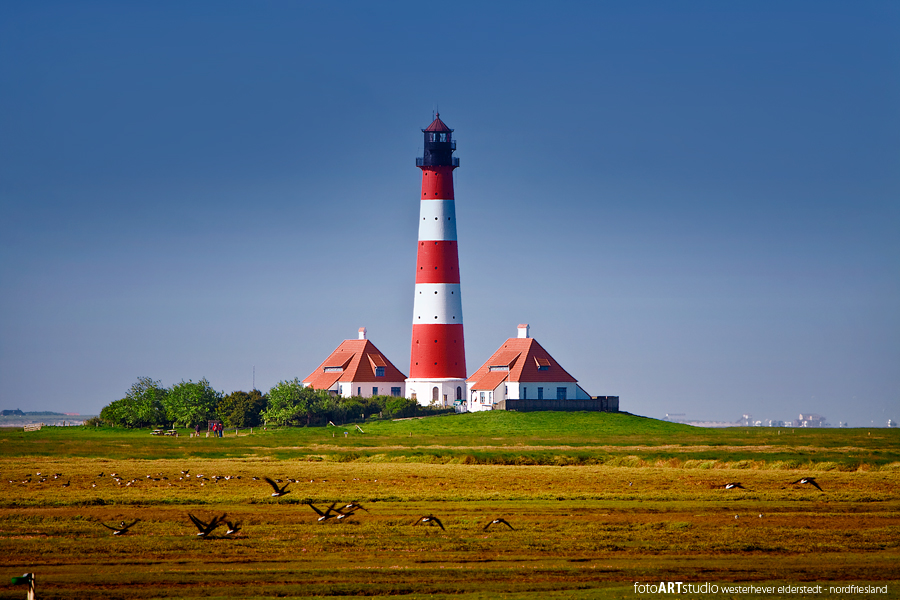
x: 696, y: 206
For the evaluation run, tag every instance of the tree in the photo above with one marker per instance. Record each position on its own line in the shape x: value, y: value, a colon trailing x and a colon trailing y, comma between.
x: 240, y: 409
x: 142, y: 406
x: 401, y: 407
x: 189, y: 403
x: 290, y: 403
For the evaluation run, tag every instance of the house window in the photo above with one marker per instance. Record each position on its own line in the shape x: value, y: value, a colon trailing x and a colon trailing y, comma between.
x: 540, y: 393
x: 395, y: 391
x: 379, y: 371
x: 359, y: 391
x: 375, y: 391
x: 560, y: 393
x: 482, y: 397
x: 524, y: 393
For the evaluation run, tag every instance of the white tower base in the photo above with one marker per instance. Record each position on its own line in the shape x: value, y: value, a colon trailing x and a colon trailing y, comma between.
x: 437, y: 392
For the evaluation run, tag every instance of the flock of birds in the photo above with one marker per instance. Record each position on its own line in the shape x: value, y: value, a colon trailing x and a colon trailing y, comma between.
x: 206, y: 529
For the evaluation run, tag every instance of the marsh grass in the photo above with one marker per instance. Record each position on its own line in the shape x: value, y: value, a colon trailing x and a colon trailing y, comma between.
x: 594, y: 508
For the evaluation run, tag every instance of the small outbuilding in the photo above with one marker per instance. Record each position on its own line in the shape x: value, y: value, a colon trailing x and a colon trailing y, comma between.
x: 358, y: 368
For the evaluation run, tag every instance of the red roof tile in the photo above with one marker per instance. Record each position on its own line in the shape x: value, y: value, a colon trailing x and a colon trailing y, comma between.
x: 491, y: 380
x: 358, y: 358
x: 322, y: 381
x: 437, y: 125
x: 525, y: 368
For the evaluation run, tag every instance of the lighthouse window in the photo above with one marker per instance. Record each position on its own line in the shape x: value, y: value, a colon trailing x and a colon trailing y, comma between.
x: 443, y: 137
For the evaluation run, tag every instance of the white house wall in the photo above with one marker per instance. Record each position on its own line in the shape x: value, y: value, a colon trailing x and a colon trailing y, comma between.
x: 365, y: 388
x: 476, y: 404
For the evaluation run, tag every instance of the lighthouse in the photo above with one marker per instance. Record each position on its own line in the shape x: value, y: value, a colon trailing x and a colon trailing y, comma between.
x: 437, y: 366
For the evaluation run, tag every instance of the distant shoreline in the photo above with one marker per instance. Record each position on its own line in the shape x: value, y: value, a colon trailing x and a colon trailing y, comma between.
x: 53, y: 420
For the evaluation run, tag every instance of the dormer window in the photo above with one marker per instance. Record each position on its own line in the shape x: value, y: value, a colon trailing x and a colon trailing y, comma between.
x: 379, y: 371
x: 542, y: 364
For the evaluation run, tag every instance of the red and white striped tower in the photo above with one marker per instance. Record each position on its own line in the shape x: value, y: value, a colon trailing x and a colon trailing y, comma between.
x: 437, y: 366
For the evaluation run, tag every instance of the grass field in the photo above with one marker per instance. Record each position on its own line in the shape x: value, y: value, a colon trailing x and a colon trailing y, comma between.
x: 598, y: 502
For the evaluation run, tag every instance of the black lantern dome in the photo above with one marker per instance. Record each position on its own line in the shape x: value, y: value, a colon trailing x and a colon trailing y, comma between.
x: 439, y: 146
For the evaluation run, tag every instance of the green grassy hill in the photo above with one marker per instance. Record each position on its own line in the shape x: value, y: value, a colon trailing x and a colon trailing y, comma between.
x: 547, y: 438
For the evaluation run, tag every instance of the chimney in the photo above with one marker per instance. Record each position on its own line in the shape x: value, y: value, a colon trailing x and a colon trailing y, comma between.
x: 362, y: 333
x: 523, y: 331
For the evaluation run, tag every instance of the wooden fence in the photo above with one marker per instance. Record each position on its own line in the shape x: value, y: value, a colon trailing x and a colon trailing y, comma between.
x: 596, y: 403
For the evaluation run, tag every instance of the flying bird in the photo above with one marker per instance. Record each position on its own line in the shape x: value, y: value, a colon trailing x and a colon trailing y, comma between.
x: 428, y: 520
x: 279, y: 491
x: 233, y: 527
x: 352, y: 507
x: 348, y: 510
x: 811, y: 480
x: 497, y: 522
x: 327, y: 514
x: 122, y: 529
x: 206, y: 528
x: 733, y: 485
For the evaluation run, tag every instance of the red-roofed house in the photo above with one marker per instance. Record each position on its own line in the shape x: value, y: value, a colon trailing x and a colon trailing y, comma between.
x: 520, y: 369
x: 358, y: 368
